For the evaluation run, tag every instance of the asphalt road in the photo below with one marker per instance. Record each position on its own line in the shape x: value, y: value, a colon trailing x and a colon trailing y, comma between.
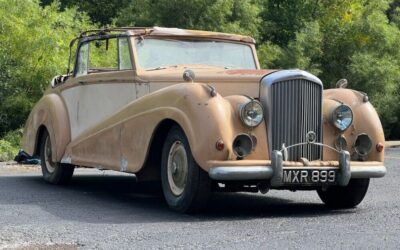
x: 108, y: 211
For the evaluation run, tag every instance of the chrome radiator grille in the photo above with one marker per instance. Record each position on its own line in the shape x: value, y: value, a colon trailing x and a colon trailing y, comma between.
x: 295, y: 110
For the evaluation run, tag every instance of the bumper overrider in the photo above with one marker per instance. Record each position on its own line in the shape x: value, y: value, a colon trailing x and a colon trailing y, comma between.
x: 273, y: 170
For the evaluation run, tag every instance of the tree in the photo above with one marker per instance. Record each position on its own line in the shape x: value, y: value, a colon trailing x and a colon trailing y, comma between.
x: 100, y: 11
x: 216, y: 15
x: 34, y: 48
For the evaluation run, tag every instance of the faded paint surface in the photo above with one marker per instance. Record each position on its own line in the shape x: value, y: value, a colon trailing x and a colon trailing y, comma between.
x: 109, y: 119
x: 90, y: 104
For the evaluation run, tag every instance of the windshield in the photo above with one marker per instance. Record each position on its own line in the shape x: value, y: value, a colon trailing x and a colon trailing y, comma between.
x: 159, y: 53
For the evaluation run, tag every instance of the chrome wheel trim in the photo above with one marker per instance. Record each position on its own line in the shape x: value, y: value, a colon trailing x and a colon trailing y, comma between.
x: 48, y: 155
x: 177, y: 169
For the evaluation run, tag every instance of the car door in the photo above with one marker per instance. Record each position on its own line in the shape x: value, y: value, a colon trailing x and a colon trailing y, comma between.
x: 103, y: 83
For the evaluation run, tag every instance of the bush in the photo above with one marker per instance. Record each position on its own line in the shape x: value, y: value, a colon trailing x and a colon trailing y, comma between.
x: 10, y: 145
x: 34, y: 48
x: 14, y: 137
x: 7, y: 151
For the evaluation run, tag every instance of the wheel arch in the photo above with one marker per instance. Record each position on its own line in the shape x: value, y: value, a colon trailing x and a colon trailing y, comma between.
x: 152, y: 165
x: 39, y: 135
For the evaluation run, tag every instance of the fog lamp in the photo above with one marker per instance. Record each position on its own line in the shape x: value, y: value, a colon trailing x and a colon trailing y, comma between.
x: 242, y: 145
x: 363, y: 145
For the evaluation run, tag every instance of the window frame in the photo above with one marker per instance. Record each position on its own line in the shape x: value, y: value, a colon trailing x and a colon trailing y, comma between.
x: 141, y: 69
x: 87, y: 40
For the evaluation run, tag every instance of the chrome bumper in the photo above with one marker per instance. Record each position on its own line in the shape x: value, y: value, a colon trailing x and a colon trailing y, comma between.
x: 274, y: 171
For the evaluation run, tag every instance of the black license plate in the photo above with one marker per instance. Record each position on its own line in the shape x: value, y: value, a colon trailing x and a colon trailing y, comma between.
x: 309, y: 176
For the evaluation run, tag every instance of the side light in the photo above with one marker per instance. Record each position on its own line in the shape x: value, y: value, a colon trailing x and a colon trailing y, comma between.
x: 251, y: 113
x: 342, y: 117
x: 220, y: 145
x: 380, y: 147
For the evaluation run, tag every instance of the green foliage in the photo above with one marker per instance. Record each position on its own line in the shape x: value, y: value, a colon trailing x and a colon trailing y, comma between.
x: 234, y: 16
x: 7, y: 151
x: 14, y: 137
x: 393, y: 12
x: 34, y: 48
x: 100, y: 11
x: 10, y: 144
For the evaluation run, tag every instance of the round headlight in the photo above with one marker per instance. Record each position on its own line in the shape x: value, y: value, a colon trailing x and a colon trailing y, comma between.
x: 251, y: 113
x: 342, y: 117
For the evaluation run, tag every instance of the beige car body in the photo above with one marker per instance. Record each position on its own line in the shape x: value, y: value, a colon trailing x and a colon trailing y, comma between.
x: 118, y: 120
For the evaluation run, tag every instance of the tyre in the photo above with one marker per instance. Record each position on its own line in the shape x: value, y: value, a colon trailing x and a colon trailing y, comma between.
x: 53, y: 172
x: 345, y: 197
x: 185, y: 185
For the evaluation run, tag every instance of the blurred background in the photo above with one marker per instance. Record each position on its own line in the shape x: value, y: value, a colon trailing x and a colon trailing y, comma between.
x: 357, y: 40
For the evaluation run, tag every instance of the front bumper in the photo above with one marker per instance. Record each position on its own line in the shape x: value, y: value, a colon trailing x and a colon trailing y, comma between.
x: 273, y: 170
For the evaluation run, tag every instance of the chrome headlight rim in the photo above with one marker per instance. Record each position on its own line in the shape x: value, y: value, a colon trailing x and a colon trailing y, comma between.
x: 334, y: 117
x: 250, y: 105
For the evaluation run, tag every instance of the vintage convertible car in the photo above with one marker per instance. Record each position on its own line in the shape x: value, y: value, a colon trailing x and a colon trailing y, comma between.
x: 194, y: 110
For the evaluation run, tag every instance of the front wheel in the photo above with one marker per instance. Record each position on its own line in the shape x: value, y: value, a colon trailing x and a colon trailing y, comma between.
x: 345, y: 197
x: 53, y: 172
x: 185, y: 185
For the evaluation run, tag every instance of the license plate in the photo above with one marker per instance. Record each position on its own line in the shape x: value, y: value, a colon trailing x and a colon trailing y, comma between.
x: 309, y: 176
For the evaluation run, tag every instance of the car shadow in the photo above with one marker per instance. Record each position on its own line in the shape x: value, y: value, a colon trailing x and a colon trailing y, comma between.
x: 120, y: 199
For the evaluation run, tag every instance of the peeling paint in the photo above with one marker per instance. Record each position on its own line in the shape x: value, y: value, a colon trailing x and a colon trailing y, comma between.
x: 123, y: 164
x: 66, y: 160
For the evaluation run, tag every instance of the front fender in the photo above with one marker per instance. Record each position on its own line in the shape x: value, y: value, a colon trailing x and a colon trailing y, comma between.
x: 51, y: 113
x: 365, y: 120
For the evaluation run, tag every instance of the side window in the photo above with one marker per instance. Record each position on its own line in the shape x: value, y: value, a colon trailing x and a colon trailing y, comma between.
x: 124, y: 54
x: 82, y: 67
x: 103, y: 55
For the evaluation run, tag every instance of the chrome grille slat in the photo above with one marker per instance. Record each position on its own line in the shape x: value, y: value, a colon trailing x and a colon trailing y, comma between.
x: 296, y: 110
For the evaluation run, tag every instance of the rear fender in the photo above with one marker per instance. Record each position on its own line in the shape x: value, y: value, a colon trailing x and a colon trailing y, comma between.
x: 49, y: 113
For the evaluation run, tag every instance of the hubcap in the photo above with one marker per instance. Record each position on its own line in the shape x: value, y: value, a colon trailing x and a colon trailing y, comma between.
x: 177, y: 168
x: 48, y: 156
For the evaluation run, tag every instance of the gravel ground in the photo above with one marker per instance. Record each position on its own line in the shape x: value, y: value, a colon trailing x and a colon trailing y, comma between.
x: 105, y: 210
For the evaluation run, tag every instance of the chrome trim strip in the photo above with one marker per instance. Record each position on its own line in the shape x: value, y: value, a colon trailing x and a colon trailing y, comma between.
x: 277, y: 166
x: 241, y: 173
x: 344, y: 168
x: 224, y: 173
x: 368, y: 172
